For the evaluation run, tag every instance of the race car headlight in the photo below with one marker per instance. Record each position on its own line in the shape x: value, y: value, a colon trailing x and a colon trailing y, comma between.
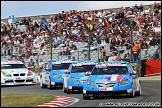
x: 30, y: 73
x: 123, y: 82
x: 90, y: 83
x: 6, y: 75
x: 57, y: 76
x: 75, y: 79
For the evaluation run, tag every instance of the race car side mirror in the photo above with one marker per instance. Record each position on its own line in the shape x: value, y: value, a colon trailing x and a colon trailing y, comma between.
x: 87, y: 73
x: 47, y: 69
x: 136, y: 72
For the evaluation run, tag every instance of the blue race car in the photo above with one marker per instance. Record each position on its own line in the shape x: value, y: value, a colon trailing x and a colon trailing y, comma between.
x: 79, y: 72
x: 53, y: 72
x: 112, y: 78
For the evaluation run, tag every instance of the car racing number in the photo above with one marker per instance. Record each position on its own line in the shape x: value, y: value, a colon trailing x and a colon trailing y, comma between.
x: 103, y: 89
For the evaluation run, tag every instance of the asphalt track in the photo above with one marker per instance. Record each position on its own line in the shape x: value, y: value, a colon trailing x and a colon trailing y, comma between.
x: 151, y: 95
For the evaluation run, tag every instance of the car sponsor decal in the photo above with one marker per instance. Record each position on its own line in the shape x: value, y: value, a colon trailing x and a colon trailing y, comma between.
x: 113, y: 77
x: 6, y: 72
x: 106, y: 65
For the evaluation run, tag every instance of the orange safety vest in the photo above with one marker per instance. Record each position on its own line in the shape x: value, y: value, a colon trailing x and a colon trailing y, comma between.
x: 136, y: 47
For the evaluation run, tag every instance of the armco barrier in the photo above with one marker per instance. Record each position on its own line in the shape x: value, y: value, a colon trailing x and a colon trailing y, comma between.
x: 153, y: 67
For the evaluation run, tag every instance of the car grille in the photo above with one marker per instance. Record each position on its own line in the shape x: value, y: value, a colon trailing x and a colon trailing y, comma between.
x: 9, y: 81
x: 106, y: 84
x: 21, y: 74
x: 29, y: 80
x: 19, y: 80
x: 15, y: 74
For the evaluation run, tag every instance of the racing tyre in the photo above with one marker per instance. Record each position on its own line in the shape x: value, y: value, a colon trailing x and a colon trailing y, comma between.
x: 68, y: 92
x: 132, y: 94
x: 95, y: 96
x: 138, y: 93
x: 49, y: 83
x: 86, y: 97
x: 41, y: 83
x: 64, y: 89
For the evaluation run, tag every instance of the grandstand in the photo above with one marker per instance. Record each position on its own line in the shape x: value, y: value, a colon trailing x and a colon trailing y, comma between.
x: 82, y: 43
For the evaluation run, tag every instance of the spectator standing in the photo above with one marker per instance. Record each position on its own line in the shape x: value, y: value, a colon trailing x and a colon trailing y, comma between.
x: 41, y: 51
x: 103, y: 54
x: 7, y: 51
x: 16, y: 44
x: 41, y: 64
x: 135, y: 51
x: 118, y: 58
x: 31, y: 63
x: 14, y: 20
x: 85, y: 56
x: 36, y: 65
x: 147, y: 55
x: 9, y: 20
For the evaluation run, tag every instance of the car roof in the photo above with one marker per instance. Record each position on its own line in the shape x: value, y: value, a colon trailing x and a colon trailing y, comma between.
x: 12, y: 62
x: 113, y: 62
x: 85, y: 61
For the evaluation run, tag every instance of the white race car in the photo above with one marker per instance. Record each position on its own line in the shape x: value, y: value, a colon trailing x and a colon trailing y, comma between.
x: 16, y: 73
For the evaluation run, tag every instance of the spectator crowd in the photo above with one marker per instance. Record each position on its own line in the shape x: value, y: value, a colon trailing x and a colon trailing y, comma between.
x: 108, y: 27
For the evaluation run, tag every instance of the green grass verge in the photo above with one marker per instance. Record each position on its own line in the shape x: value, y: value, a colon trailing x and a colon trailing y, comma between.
x: 24, y: 100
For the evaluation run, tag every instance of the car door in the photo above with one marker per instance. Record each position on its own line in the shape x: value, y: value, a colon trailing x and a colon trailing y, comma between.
x: 134, y: 77
x: 46, y: 72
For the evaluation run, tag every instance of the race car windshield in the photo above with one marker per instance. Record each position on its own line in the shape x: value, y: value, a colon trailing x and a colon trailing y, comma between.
x: 109, y: 70
x: 60, y: 66
x: 83, y: 68
x: 12, y: 66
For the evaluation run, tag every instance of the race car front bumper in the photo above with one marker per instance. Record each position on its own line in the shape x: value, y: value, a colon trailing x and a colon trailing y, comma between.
x: 106, y: 93
x: 57, y: 81
x: 18, y: 81
x: 75, y: 88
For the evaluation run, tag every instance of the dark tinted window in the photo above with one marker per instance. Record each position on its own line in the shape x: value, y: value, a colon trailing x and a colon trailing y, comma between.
x: 83, y: 68
x: 12, y: 66
x: 109, y: 70
x: 60, y: 66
